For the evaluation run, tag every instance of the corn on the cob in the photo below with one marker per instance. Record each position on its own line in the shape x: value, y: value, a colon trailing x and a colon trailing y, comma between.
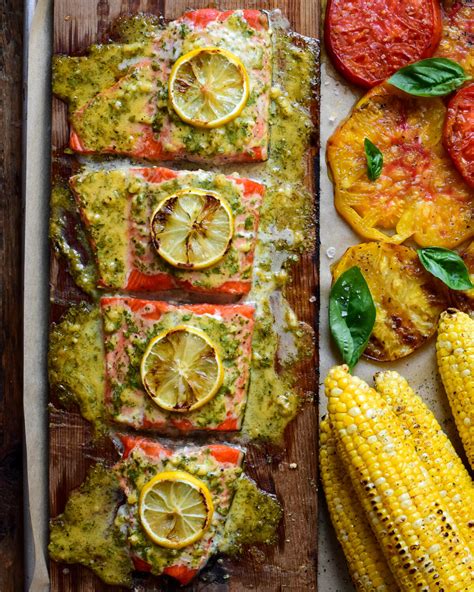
x: 367, y: 565
x: 434, y: 449
x: 419, y: 538
x: 455, y: 353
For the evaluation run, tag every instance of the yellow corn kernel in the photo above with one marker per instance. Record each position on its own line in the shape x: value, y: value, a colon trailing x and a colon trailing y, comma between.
x: 367, y: 565
x: 455, y: 353
x: 434, y: 449
x: 418, y: 536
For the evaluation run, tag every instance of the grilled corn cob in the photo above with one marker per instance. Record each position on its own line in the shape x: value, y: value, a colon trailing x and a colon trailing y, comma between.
x: 434, y: 449
x: 367, y: 565
x: 418, y: 536
x: 455, y: 353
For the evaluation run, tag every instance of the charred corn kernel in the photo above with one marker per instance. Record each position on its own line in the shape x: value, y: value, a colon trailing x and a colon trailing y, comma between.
x: 434, y: 449
x: 367, y: 565
x: 455, y: 353
x: 418, y: 536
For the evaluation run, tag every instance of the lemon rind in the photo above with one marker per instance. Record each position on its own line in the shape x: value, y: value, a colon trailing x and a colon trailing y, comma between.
x: 189, y: 479
x: 209, y: 262
x: 222, y: 120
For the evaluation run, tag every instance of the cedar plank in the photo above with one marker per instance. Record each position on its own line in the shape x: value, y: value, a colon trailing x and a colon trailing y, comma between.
x: 290, y: 564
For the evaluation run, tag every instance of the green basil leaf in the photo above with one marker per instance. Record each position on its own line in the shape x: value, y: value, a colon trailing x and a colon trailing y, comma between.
x: 447, y: 266
x: 351, y: 314
x: 374, y: 160
x: 432, y: 77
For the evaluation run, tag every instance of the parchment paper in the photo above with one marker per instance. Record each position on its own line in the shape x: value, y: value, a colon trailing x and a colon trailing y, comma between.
x: 36, y: 273
x: 337, y: 99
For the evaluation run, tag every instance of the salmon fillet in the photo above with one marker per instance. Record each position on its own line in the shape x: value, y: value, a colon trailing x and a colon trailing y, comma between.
x: 133, y: 116
x: 218, y: 465
x: 116, y: 207
x: 129, y: 325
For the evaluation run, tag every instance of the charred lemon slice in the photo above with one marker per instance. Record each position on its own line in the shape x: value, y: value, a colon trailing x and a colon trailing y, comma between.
x: 419, y: 193
x: 192, y: 228
x: 208, y: 87
x: 407, y: 298
x: 181, y: 369
x: 175, y: 509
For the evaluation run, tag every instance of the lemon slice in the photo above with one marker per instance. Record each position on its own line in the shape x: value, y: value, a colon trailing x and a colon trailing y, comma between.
x: 192, y: 228
x: 175, y: 509
x: 208, y: 87
x: 181, y: 369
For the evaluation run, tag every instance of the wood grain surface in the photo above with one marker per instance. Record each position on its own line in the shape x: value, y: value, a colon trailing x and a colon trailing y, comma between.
x: 11, y: 328
x: 291, y: 563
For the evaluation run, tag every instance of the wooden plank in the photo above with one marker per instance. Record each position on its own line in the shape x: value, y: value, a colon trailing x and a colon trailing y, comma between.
x: 291, y: 564
x: 11, y: 393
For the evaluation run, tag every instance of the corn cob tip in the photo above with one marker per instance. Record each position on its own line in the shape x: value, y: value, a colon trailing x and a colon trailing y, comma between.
x: 450, y: 315
x: 455, y: 354
x: 391, y: 376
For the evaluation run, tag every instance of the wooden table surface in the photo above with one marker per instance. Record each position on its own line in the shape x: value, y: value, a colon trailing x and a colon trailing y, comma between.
x: 11, y: 418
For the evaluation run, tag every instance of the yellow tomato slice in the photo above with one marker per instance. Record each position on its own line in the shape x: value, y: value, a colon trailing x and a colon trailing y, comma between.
x: 407, y: 298
x: 419, y: 193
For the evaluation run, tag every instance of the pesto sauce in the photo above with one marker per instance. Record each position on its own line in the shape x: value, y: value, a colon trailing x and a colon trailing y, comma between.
x: 79, y: 258
x: 85, y: 532
x: 77, y: 80
x: 76, y: 363
x: 253, y: 518
x: 286, y: 231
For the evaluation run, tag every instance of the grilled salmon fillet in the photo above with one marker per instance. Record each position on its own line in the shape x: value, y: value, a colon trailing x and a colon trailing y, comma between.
x: 116, y: 206
x: 218, y: 465
x: 133, y: 116
x: 130, y: 324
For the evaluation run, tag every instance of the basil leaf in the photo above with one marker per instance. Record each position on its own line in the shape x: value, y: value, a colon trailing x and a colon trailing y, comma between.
x: 351, y: 314
x: 432, y: 77
x: 447, y: 266
x: 374, y: 160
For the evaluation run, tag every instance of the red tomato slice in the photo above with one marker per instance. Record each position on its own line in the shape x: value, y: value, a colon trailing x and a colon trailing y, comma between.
x: 368, y: 40
x: 458, y: 134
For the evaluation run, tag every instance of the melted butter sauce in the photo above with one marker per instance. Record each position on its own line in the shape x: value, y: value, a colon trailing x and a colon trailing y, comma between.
x: 286, y: 230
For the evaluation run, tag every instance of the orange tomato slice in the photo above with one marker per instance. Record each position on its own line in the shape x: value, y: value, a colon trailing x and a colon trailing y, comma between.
x: 457, y: 40
x: 419, y: 193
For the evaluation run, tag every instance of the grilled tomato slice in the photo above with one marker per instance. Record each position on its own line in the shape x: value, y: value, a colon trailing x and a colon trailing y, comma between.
x: 457, y: 40
x: 407, y: 298
x: 369, y: 41
x: 419, y: 193
x: 465, y: 300
x: 459, y: 132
